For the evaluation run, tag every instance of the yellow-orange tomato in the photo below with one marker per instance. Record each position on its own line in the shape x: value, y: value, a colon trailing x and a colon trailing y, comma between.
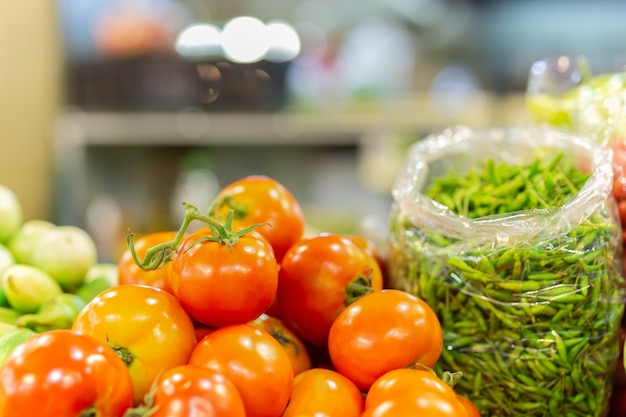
x: 130, y: 273
x: 324, y: 392
x: 295, y: 348
x: 146, y: 326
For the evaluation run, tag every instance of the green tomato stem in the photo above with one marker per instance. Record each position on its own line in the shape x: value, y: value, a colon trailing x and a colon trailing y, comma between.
x: 241, y: 210
x: 358, y: 288
x: 88, y: 412
x: 123, y: 353
x: 159, y: 255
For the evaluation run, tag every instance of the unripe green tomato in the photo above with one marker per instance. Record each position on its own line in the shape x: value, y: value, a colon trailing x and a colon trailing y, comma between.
x: 6, y: 258
x: 9, y: 341
x: 66, y: 253
x: 27, y: 287
x: 23, y: 242
x: 106, y: 270
x: 10, y: 213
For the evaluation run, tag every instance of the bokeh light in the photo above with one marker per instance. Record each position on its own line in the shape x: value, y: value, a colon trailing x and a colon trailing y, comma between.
x: 245, y: 39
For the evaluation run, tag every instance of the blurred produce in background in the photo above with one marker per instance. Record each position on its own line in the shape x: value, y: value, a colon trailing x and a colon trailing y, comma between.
x: 142, y: 103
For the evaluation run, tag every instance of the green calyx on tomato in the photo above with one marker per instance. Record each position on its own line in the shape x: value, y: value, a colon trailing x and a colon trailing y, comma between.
x: 358, y: 288
x: 161, y: 254
x: 123, y: 353
x: 285, y: 340
x: 240, y: 210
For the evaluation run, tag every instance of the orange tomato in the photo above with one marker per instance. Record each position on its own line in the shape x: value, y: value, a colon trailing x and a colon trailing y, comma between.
x: 470, y: 407
x: 293, y: 345
x: 370, y: 247
x: 382, y: 331
x: 324, y: 392
x: 258, y: 199
x: 130, y: 273
x: 254, y: 361
x: 187, y: 390
x: 404, y: 392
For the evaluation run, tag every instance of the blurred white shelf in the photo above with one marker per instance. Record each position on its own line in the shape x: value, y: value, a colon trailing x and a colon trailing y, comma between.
x: 328, y: 127
x: 370, y: 129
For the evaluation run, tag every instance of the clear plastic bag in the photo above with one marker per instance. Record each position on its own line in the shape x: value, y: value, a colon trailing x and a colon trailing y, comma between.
x: 562, y: 91
x: 530, y: 301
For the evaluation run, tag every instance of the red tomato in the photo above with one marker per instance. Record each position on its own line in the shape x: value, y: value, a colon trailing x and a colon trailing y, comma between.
x: 621, y: 211
x: 201, y: 330
x: 273, y: 309
x: 188, y: 390
x: 261, y: 200
x: 254, y: 361
x: 60, y: 373
x: 619, y: 379
x: 147, y: 327
x: 295, y: 348
x: 220, y: 284
x: 130, y: 273
x: 319, y: 276
x: 619, y: 169
x: 412, y: 392
x: 617, y: 403
x: 324, y: 392
x: 382, y: 331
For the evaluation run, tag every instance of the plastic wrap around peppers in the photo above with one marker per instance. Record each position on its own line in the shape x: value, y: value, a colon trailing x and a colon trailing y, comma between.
x: 529, y: 301
x: 563, y: 92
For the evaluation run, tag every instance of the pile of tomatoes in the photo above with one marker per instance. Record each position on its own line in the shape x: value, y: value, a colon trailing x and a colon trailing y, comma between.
x: 245, y: 315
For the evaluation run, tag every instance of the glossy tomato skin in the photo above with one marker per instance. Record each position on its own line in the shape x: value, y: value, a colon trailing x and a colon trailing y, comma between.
x: 293, y: 345
x: 470, y: 407
x: 320, y: 391
x: 188, y: 390
x: 128, y: 272
x: 262, y: 200
x: 382, y: 331
x: 254, y: 361
x: 220, y: 285
x: 405, y: 383
x: 61, y: 373
x: 314, y: 278
x: 147, y: 326
x: 370, y: 247
x: 426, y: 404
x: 410, y: 392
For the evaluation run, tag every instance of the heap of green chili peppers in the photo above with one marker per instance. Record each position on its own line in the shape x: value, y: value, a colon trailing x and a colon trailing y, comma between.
x: 533, y: 326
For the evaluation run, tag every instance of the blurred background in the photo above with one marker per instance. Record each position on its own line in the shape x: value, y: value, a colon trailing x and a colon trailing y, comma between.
x: 113, y: 112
